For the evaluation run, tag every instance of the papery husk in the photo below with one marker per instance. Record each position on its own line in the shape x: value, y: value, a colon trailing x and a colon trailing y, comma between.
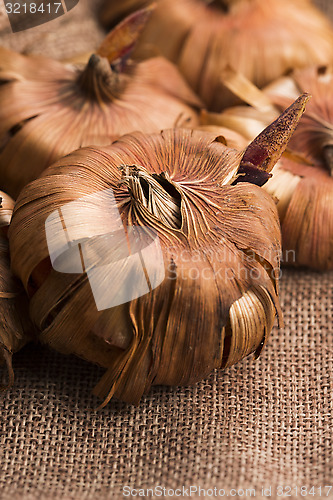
x: 302, y: 182
x: 262, y: 39
x: 15, y: 327
x: 314, y: 135
x: 48, y: 108
x: 307, y: 219
x: 220, y: 241
x: 227, y: 136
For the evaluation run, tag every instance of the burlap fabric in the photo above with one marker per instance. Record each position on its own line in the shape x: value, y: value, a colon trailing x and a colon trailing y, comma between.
x: 68, y: 36
x: 260, y: 424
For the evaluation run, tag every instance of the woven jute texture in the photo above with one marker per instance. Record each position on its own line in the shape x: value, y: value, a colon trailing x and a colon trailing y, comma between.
x: 260, y: 424
x: 66, y: 37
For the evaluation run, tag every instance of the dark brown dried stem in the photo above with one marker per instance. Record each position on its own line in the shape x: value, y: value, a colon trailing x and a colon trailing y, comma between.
x: 98, y: 81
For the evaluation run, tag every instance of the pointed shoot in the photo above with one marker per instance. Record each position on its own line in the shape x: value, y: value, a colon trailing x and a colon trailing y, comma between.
x: 120, y: 42
x: 266, y: 149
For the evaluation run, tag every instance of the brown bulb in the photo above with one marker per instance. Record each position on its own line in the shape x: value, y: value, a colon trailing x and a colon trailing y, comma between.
x: 15, y: 327
x: 156, y: 257
x: 302, y: 182
x: 48, y: 108
x: 262, y: 39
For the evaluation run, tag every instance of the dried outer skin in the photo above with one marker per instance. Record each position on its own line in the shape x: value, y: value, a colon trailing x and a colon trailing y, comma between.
x: 15, y: 327
x: 220, y: 242
x: 305, y: 205
x: 314, y: 135
x: 48, y: 109
x: 220, y: 245
x: 240, y: 41
x: 15, y: 66
x: 227, y: 136
x: 302, y: 183
x: 203, y: 39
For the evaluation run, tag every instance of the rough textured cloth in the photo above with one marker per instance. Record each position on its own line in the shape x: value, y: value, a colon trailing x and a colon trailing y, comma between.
x: 264, y: 423
x: 75, y: 33
x: 260, y: 423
